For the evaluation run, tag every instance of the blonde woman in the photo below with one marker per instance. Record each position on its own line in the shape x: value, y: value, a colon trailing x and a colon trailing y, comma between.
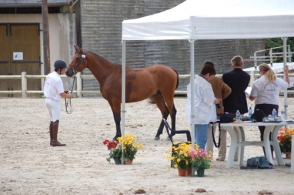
x: 266, y: 90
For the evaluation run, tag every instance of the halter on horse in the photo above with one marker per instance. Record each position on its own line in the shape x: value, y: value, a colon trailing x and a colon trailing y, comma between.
x: 158, y: 82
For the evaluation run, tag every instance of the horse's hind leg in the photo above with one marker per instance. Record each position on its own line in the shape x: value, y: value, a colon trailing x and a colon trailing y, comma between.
x: 173, y: 118
x: 169, y: 101
x: 158, y: 99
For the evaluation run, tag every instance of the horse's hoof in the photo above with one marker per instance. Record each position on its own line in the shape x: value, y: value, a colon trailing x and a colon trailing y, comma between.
x: 157, y: 138
x: 114, y: 139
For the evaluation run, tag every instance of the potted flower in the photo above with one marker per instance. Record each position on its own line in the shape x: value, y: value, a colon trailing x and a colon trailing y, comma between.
x: 130, y: 147
x: 115, y: 151
x: 285, y: 140
x: 201, y: 160
x: 180, y: 158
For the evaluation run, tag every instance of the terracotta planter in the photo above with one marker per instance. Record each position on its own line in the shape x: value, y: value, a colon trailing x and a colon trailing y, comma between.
x: 182, y: 172
x: 128, y: 161
x: 288, y: 155
x: 200, y: 172
x: 189, y: 171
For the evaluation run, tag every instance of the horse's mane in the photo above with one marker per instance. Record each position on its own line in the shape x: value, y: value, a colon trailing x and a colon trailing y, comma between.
x: 102, y: 57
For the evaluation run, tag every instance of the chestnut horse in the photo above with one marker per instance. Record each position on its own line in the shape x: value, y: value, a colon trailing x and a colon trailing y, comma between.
x: 158, y: 82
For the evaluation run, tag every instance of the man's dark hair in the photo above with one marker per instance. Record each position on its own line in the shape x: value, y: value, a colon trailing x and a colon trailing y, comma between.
x: 208, y: 68
x: 208, y: 62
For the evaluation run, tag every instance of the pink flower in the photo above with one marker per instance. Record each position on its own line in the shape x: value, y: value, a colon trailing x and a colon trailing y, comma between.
x: 198, y: 154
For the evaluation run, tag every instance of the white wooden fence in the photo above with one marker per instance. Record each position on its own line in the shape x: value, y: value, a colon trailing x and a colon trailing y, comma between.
x: 78, y: 84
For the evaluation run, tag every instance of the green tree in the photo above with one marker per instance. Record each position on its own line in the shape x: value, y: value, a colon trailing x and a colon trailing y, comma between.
x: 277, y: 42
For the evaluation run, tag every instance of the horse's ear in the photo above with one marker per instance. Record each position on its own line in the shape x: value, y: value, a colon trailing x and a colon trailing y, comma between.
x: 77, y: 48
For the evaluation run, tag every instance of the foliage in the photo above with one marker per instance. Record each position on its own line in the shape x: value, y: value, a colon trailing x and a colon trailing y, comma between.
x: 130, y: 146
x: 200, y: 158
x: 277, y: 42
x: 285, y: 139
x: 180, y: 158
x: 115, y: 149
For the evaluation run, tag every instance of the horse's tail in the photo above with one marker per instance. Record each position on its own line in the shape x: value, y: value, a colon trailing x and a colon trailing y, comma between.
x: 177, y: 79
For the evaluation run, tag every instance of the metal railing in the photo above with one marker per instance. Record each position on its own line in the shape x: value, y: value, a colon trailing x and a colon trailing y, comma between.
x: 272, y: 55
x: 79, y: 92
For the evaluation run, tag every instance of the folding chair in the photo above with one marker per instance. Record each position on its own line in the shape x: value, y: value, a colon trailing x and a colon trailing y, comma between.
x: 171, y: 132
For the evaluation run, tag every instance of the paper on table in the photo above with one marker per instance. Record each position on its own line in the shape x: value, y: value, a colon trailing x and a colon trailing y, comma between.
x: 248, y: 91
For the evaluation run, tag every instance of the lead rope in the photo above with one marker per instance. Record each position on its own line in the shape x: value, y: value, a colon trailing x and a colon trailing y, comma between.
x: 219, y: 136
x: 67, y: 101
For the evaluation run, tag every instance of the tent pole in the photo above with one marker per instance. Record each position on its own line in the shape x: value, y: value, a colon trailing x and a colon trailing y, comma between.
x: 123, y: 92
x: 285, y: 64
x: 192, y: 74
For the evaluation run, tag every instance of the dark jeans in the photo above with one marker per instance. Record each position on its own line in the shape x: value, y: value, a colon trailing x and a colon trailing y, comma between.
x: 267, y: 109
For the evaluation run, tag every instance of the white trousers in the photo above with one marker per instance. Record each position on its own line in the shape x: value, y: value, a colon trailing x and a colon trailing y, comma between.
x: 53, y: 107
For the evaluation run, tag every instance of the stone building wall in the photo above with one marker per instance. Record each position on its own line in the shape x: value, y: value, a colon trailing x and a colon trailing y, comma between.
x: 101, y: 24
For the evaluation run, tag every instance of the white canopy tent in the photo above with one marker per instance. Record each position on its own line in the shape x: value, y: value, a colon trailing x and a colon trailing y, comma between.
x: 211, y: 19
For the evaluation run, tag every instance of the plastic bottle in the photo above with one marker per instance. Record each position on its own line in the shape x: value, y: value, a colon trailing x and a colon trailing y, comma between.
x: 238, y: 116
x: 274, y: 113
x: 250, y: 113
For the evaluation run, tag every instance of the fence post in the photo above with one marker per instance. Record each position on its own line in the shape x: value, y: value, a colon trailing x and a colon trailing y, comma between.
x: 23, y: 84
x: 255, y: 60
x: 289, y: 54
x: 252, y: 78
x: 79, y: 84
x: 271, y: 57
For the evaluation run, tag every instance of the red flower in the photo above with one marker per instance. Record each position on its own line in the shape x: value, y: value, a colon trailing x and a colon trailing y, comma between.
x: 110, y: 144
x: 105, y: 142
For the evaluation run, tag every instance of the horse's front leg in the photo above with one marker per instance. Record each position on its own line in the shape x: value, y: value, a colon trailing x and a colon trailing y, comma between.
x: 115, y: 107
x: 117, y: 120
x: 158, y: 99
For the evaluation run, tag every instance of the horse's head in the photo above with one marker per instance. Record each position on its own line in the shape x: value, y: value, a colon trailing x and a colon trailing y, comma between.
x: 78, y: 62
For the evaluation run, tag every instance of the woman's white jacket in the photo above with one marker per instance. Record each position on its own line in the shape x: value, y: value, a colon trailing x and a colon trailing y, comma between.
x: 204, y: 107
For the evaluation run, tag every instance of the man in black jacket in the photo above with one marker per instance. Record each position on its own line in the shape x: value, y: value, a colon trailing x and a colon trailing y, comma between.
x: 238, y: 81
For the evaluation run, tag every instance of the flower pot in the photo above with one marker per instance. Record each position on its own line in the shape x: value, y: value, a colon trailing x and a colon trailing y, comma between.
x: 288, y: 155
x: 182, y: 172
x: 117, y: 161
x: 128, y: 161
x: 189, y: 171
x: 200, y: 172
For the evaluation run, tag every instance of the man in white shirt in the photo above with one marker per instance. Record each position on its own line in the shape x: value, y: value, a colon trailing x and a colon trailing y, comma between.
x: 54, y: 91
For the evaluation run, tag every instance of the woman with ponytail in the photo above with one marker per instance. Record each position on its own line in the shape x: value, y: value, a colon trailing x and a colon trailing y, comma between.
x: 266, y: 91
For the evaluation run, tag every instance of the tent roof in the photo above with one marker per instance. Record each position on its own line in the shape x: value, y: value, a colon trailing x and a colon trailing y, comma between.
x: 215, y: 19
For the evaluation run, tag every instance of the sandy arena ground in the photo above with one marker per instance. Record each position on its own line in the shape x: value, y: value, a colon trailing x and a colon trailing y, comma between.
x: 29, y: 165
